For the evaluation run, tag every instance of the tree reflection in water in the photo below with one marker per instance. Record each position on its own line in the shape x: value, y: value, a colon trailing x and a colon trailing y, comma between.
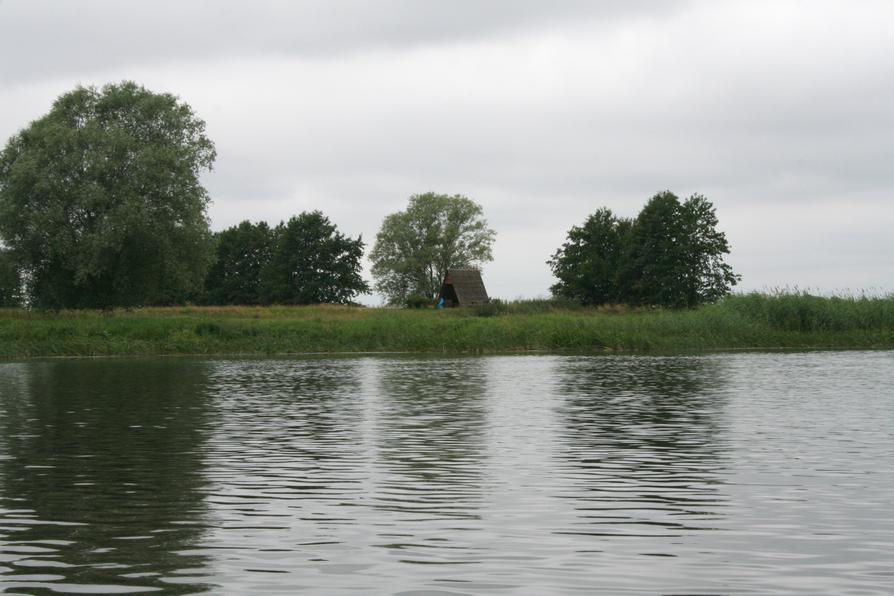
x: 101, y: 474
x: 431, y: 422
x: 641, y: 442
x: 285, y: 431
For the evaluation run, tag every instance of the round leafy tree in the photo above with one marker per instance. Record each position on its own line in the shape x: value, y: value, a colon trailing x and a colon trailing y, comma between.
x: 414, y: 248
x: 587, y: 264
x: 674, y: 254
x: 100, y: 199
x: 312, y: 262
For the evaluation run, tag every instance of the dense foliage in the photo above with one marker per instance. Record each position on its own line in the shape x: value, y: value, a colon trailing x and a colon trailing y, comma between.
x: 242, y: 252
x: 100, y: 200
x: 670, y: 255
x: 414, y: 248
x: 10, y: 281
x: 588, y: 265
x: 303, y: 261
x: 312, y: 262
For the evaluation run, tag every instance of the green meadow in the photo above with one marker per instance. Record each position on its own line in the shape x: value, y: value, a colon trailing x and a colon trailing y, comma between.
x: 749, y: 321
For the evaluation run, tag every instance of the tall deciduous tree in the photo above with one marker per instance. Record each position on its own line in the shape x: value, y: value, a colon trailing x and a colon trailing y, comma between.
x: 100, y: 199
x: 674, y: 256
x: 312, y: 262
x: 670, y: 255
x: 242, y: 253
x: 587, y: 265
x: 414, y: 248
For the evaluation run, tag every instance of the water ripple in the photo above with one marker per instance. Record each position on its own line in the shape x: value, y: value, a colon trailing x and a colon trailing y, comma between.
x: 747, y: 473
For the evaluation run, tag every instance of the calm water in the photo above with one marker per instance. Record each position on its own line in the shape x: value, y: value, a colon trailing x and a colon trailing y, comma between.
x: 745, y: 473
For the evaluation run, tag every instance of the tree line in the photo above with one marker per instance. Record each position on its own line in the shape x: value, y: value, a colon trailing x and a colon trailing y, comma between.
x: 303, y: 261
x: 101, y: 206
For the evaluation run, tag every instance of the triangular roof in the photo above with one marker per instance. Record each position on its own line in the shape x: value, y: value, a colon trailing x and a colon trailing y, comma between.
x: 467, y: 285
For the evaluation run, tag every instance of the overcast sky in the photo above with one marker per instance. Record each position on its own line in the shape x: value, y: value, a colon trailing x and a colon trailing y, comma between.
x: 780, y: 112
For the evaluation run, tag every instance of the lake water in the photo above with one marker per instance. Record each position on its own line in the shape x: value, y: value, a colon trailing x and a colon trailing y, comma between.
x: 740, y: 473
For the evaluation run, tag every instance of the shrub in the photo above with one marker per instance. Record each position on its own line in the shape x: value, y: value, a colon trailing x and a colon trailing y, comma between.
x: 491, y: 308
x: 419, y: 301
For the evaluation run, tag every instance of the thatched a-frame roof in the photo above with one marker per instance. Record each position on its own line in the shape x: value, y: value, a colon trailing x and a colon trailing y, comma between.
x: 463, y: 287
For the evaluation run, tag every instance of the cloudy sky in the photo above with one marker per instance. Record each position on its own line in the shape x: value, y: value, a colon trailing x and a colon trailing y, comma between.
x: 780, y: 112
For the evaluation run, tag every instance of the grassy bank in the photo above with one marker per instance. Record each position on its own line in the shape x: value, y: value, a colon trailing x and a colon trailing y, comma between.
x: 743, y: 321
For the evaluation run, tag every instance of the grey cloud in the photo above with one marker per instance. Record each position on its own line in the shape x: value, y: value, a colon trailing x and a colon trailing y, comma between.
x: 49, y: 37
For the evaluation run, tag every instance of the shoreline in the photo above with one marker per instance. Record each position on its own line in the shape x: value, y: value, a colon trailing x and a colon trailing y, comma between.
x: 470, y: 354
x: 739, y: 323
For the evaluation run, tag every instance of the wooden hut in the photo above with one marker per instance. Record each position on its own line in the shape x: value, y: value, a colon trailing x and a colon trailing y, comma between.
x: 463, y: 287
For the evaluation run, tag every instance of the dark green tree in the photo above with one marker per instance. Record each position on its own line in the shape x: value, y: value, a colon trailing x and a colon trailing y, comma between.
x: 588, y: 263
x: 654, y: 260
x: 674, y: 255
x: 100, y: 199
x: 414, y: 248
x: 709, y: 277
x: 312, y: 262
x: 671, y: 255
x: 10, y: 281
x: 242, y: 253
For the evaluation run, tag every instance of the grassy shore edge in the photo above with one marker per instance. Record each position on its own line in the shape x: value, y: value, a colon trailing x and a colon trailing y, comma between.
x: 753, y: 322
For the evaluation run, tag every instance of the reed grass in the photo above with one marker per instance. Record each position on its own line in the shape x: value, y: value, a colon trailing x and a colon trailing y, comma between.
x: 745, y: 321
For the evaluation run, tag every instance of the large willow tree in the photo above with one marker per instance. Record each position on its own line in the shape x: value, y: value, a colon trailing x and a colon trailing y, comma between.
x: 415, y: 247
x: 100, y: 199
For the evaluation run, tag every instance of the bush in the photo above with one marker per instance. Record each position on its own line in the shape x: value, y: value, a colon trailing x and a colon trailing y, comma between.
x: 419, y: 301
x: 491, y: 308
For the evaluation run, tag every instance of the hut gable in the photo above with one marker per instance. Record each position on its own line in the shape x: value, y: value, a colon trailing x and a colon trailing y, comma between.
x: 463, y: 287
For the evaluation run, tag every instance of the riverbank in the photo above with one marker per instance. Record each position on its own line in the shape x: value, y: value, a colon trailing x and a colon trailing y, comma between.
x: 739, y: 322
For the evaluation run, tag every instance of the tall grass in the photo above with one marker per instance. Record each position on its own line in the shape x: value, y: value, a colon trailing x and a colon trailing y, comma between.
x: 814, y: 314
x: 740, y: 321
